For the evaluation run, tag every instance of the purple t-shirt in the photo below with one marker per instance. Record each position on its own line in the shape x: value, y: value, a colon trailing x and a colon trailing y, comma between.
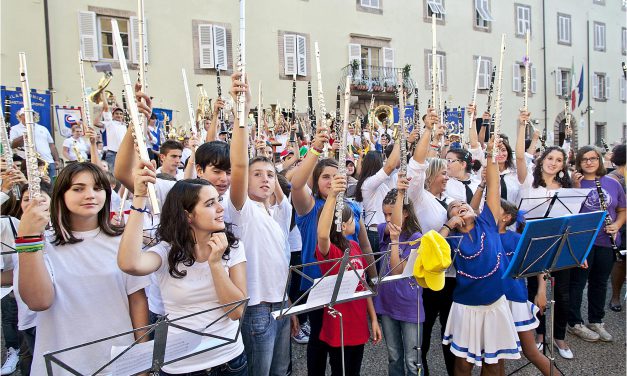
x: 614, y: 198
x: 398, y: 299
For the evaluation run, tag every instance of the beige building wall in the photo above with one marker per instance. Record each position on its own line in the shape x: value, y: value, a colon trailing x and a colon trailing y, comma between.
x: 402, y: 25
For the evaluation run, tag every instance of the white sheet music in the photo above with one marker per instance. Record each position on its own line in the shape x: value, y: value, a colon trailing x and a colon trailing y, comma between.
x: 322, y: 293
x: 408, y: 271
x: 568, y: 202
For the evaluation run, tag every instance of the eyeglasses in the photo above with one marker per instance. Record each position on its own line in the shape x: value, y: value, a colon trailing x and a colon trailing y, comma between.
x: 590, y: 160
x: 449, y: 161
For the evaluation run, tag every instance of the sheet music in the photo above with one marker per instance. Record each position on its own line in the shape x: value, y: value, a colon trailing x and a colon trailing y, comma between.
x: 408, y: 271
x: 569, y: 201
x: 322, y: 293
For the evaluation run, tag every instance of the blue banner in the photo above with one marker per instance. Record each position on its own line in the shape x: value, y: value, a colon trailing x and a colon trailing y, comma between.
x: 160, y: 113
x: 41, y: 104
x: 455, y: 119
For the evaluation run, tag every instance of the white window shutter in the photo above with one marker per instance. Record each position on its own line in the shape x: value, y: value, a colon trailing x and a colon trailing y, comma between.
x: 354, y: 53
x: 484, y: 74
x: 88, y: 35
x: 558, y: 82
x: 595, y: 86
x: 516, y: 82
x: 301, y: 54
x: 607, y: 88
x: 289, y: 54
x: 219, y: 47
x: 534, y: 79
x: 205, y: 46
x: 134, y: 39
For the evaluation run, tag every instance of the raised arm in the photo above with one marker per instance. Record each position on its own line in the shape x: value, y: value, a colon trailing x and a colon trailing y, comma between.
x: 472, y: 131
x: 94, y: 154
x: 392, y: 162
x: 212, y: 132
x: 301, y: 198
x: 420, y: 153
x: 131, y: 259
x: 493, y: 182
x: 521, y: 163
x: 325, y: 222
x: 239, y: 147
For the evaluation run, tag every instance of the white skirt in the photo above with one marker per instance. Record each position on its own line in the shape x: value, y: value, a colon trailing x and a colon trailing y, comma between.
x: 482, y: 333
x: 524, y: 315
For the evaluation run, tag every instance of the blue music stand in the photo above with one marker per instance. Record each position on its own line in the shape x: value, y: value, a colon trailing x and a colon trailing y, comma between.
x: 553, y: 244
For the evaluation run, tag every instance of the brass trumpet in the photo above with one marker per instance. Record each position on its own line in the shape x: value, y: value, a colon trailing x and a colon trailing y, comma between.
x: 94, y: 96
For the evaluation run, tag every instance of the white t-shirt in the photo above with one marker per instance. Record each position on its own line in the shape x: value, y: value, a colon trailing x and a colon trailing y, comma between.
x: 373, y: 190
x: 180, y: 174
x: 282, y: 138
x: 82, y: 146
x: 187, y: 152
x: 267, y: 248
x: 43, y: 139
x: 194, y: 293
x: 115, y: 131
x: 90, y: 303
x: 456, y: 190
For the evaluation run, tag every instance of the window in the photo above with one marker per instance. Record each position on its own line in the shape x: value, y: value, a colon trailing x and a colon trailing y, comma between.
x: 435, y: 7
x: 441, y: 63
x: 372, y: 62
x: 563, y: 29
x: 623, y: 41
x: 96, y: 35
x: 623, y: 89
x: 482, y: 14
x: 562, y: 82
x: 212, y: 46
x: 600, y: 87
x: 485, y: 73
x: 295, y: 55
x: 523, y: 20
x: 369, y: 3
x: 599, y: 36
x: 599, y: 133
x: 518, y: 78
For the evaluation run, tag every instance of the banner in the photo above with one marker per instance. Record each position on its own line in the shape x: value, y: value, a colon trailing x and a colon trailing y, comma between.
x: 160, y: 113
x: 62, y: 116
x: 41, y: 105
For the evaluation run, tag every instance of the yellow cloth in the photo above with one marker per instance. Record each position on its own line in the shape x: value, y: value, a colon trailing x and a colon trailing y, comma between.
x: 434, y: 257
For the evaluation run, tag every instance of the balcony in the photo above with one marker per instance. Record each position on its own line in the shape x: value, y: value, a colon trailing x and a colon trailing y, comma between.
x: 372, y: 79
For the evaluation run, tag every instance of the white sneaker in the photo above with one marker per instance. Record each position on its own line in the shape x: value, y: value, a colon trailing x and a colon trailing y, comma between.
x: 564, y: 353
x: 9, y: 366
x: 599, y: 328
x: 540, y: 346
x: 583, y: 332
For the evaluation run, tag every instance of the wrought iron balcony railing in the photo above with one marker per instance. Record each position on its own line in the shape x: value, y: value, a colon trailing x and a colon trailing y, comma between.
x: 372, y: 78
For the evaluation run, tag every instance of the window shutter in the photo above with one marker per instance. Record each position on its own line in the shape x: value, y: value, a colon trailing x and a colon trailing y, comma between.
x: 595, y: 86
x: 301, y: 53
x: 516, y: 83
x: 134, y: 39
x: 88, y: 35
x: 354, y: 53
x: 219, y: 47
x: 607, y: 87
x: 558, y: 82
x: 484, y: 74
x: 289, y: 54
x: 205, y: 45
x: 534, y: 79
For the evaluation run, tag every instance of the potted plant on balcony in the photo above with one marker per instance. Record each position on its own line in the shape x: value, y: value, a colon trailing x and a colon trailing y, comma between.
x: 354, y: 67
x: 406, y: 70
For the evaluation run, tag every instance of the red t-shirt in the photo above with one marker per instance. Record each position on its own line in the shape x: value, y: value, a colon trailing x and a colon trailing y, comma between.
x: 354, y: 313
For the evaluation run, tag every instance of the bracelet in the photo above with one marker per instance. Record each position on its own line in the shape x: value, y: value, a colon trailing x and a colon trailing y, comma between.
x: 448, y: 227
x: 314, y: 152
x: 28, y: 238
x: 140, y: 195
x: 481, y: 186
x: 28, y: 244
x: 144, y: 210
x: 29, y: 249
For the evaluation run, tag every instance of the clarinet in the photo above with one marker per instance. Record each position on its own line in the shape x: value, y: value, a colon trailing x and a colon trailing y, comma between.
x: 310, y: 110
x: 486, y: 122
x: 32, y: 168
x: 416, y: 119
x: 292, y: 131
x: 339, y: 204
x: 608, y: 219
x: 605, y: 146
x: 7, y: 151
x: 127, y: 117
x: 567, y: 119
x: 338, y: 123
x: 220, y: 112
x: 402, y: 137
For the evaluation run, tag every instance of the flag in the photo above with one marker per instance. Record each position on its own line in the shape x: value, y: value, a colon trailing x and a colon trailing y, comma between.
x: 573, y: 94
x: 580, y: 88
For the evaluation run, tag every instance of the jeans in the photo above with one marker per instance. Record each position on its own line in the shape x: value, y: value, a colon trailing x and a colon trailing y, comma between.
x: 234, y: 367
x: 401, y: 338
x: 52, y: 171
x: 600, y: 263
x: 27, y: 350
x: 266, y: 340
x: 353, y: 356
x: 110, y: 159
x: 9, y: 322
x: 561, y: 294
x: 317, y: 350
x: 434, y: 303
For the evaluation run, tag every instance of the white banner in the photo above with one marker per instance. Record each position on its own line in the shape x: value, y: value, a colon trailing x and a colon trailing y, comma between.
x: 63, y: 114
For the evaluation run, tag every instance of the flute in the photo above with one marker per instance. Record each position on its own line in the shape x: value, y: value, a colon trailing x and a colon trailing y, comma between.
x: 134, y: 112
x: 339, y: 204
x: 338, y: 124
x: 321, y: 104
x: 474, y: 98
x: 434, y: 58
x: 190, y: 107
x: 7, y: 151
x: 241, y: 97
x: 292, y: 131
x: 142, y: 57
x: 498, y: 113
x: 402, y: 137
x: 417, y: 122
x: 32, y: 168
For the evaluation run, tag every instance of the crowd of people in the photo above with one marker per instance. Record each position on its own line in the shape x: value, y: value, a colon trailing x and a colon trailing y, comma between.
x: 89, y: 257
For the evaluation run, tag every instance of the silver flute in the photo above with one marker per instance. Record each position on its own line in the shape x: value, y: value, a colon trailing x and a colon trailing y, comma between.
x: 32, y: 168
x: 402, y: 137
x: 339, y: 204
x: 498, y: 115
x: 241, y: 97
x: 8, y: 153
x: 321, y: 103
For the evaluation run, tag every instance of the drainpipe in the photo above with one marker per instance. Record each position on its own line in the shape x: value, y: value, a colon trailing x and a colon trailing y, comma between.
x: 49, y: 61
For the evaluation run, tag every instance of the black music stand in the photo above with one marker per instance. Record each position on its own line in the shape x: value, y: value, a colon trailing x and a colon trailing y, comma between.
x: 150, y: 356
x: 553, y: 244
x: 564, y: 201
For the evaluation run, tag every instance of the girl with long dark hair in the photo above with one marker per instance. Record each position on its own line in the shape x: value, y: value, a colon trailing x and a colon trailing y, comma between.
x: 70, y: 275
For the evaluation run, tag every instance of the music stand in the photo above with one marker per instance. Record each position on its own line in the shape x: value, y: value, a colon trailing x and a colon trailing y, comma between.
x: 554, y: 244
x: 564, y: 201
x: 140, y: 357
